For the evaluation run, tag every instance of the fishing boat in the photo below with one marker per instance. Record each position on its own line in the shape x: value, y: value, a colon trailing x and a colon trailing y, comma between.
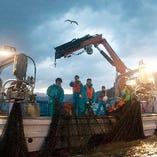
x: 79, y: 130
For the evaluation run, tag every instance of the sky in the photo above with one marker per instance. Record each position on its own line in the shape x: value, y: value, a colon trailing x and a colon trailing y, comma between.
x: 36, y: 27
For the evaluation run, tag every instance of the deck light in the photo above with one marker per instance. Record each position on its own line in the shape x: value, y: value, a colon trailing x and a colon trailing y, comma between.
x: 7, y: 51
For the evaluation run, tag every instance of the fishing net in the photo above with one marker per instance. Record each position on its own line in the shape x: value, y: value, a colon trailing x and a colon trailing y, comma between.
x: 56, y: 140
x: 128, y: 127
x: 96, y: 127
x: 80, y: 134
x: 12, y: 141
x: 70, y: 135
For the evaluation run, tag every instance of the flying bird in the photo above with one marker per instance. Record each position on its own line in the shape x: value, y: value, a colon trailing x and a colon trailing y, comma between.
x: 71, y: 21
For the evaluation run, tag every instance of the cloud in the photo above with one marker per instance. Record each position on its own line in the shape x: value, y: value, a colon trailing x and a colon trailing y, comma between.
x: 122, y: 32
x: 129, y: 27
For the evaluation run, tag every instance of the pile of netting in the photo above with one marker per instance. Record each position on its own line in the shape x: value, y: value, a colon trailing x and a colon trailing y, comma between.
x: 69, y: 135
x: 12, y: 140
x: 58, y: 129
x: 73, y: 134
x: 128, y: 127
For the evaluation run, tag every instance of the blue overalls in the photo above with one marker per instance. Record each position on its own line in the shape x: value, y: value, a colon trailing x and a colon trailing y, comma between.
x: 54, y: 92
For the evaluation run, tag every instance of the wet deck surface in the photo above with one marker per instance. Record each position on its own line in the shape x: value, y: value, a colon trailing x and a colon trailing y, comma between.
x: 139, y: 148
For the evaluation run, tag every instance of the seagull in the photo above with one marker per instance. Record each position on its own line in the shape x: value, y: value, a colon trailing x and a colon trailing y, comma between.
x: 71, y: 21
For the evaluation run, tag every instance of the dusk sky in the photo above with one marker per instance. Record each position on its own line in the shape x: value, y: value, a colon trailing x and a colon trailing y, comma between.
x: 36, y: 27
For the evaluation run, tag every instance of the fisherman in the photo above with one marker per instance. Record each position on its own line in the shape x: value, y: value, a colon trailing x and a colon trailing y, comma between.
x: 90, y: 95
x: 78, y: 95
x: 122, y: 100
x: 55, y: 92
x: 126, y: 93
x: 101, y: 98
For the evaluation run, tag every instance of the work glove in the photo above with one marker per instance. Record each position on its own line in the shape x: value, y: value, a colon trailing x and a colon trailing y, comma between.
x: 80, y: 95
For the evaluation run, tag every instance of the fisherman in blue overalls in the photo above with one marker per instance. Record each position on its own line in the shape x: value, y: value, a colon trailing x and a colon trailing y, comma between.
x: 55, y: 92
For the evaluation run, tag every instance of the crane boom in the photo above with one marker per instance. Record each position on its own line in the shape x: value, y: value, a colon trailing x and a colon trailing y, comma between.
x: 120, y: 66
x: 77, y: 44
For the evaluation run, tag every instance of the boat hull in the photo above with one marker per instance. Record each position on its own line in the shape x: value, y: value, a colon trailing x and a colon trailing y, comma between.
x: 36, y: 128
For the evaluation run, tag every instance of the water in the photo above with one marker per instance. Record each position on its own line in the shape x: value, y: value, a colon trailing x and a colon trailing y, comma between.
x: 139, y: 148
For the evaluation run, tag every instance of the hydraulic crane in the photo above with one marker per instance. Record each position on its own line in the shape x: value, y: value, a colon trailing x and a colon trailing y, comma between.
x: 77, y: 44
x: 142, y: 79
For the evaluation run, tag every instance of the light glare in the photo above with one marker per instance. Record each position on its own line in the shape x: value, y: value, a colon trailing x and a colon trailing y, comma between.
x: 6, y: 53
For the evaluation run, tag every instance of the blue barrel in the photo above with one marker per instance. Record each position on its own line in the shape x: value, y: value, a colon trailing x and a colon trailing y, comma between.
x: 43, y: 107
